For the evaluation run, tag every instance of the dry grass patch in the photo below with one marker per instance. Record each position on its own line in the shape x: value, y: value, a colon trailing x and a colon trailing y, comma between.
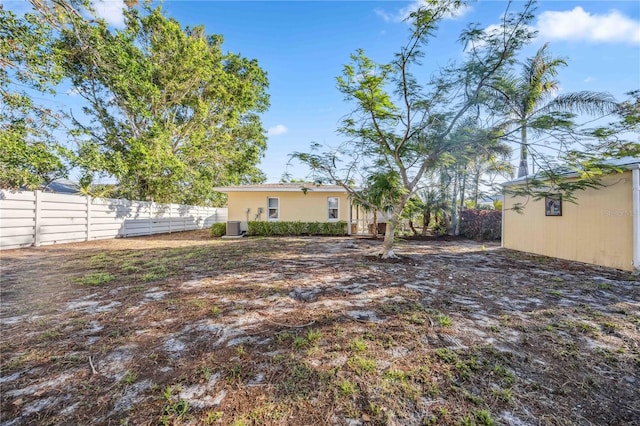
x: 185, y: 329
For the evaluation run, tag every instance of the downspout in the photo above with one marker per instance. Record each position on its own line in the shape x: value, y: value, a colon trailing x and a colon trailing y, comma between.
x: 635, y: 217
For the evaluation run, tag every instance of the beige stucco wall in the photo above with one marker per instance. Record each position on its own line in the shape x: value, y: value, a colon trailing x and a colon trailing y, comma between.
x: 294, y: 206
x: 598, y: 230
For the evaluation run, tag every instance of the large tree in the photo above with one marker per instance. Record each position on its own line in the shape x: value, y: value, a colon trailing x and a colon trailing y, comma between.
x: 30, y: 153
x: 171, y: 114
x: 167, y: 112
x: 402, y: 127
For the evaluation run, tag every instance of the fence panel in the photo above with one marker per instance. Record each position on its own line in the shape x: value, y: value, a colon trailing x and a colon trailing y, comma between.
x: 35, y: 218
x: 17, y: 220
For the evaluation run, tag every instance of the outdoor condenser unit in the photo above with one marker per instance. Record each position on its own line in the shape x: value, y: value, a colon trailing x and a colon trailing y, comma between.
x: 233, y: 228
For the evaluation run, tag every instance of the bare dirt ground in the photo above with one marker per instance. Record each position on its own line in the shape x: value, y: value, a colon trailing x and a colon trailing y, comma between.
x: 185, y: 329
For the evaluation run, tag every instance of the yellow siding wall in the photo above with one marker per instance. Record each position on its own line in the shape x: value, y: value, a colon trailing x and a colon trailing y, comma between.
x: 597, y: 230
x: 294, y: 206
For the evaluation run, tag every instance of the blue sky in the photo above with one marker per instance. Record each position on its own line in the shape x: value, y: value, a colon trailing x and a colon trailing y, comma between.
x: 303, y: 46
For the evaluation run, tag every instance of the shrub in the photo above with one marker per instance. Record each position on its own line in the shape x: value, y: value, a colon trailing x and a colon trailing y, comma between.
x: 481, y: 224
x: 218, y: 229
x: 297, y: 228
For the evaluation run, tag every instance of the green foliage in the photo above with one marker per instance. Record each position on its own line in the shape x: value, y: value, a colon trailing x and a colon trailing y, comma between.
x: 257, y: 228
x: 358, y: 345
x: 347, y: 388
x: 361, y: 365
x: 167, y: 112
x: 218, y: 229
x: 481, y: 224
x: 31, y: 155
x: 173, y: 114
x: 97, y: 278
x: 402, y: 128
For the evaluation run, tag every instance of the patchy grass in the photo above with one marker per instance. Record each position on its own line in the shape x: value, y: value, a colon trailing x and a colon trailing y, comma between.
x: 185, y: 329
x: 97, y: 278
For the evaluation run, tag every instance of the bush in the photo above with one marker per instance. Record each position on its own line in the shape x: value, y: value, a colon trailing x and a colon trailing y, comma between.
x: 297, y: 228
x: 481, y: 224
x: 218, y: 229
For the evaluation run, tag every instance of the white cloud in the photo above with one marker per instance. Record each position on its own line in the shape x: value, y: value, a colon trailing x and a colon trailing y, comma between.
x: 280, y: 129
x: 403, y: 13
x: 110, y: 11
x: 589, y: 79
x: 577, y: 24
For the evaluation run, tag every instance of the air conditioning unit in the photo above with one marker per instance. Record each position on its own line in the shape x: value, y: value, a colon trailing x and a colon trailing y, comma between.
x: 233, y: 228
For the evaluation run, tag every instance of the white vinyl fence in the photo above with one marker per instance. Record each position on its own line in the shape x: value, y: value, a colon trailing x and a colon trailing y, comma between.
x: 39, y: 218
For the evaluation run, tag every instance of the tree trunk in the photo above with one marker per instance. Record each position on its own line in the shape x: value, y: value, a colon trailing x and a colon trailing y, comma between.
x: 523, y: 169
x: 476, y: 188
x: 454, y: 205
x: 413, y: 229
x: 392, y: 223
x: 426, y: 218
x: 462, y: 189
x: 389, y: 235
x: 375, y: 224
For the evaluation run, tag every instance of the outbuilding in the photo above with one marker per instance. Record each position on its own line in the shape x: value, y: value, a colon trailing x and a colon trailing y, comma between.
x: 602, y: 227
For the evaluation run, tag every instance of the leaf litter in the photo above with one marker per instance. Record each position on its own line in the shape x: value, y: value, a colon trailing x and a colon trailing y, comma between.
x: 312, y: 330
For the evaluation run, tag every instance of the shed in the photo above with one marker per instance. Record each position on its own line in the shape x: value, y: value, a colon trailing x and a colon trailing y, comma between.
x: 601, y: 228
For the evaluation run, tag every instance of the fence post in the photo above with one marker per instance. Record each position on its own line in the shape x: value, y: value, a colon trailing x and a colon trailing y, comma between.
x: 88, y: 213
x: 151, y: 218
x: 38, y: 218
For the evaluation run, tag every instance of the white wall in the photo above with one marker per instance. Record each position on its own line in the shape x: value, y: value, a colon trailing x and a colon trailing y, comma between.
x: 38, y: 218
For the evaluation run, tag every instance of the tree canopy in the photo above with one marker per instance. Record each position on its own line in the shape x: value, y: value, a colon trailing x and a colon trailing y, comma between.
x: 403, y: 127
x: 167, y: 112
x: 31, y: 155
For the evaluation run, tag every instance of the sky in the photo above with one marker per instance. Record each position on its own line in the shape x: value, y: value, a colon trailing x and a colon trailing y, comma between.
x: 303, y: 46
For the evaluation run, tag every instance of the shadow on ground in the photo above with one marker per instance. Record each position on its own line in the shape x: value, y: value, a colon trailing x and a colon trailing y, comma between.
x: 183, y: 329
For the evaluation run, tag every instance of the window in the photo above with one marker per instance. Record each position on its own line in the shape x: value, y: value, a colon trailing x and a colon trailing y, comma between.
x: 333, y: 204
x: 273, y: 207
x: 553, y: 206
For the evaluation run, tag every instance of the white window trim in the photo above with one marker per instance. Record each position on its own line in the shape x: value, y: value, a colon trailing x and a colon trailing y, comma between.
x: 269, y: 218
x: 338, y: 208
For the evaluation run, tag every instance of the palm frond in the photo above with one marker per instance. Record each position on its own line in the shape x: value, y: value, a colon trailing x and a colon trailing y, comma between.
x: 585, y: 102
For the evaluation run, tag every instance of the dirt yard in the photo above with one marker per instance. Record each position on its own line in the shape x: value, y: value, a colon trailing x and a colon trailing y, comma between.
x: 185, y: 329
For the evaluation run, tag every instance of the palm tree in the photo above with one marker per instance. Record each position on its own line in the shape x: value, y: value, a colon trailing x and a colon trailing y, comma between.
x: 434, y: 203
x: 529, y: 100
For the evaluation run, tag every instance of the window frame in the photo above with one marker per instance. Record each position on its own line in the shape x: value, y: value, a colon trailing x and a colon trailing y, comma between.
x: 553, y: 206
x: 269, y: 218
x: 337, y: 209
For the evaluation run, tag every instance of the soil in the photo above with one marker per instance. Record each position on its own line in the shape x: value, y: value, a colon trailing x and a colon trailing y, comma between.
x: 188, y: 329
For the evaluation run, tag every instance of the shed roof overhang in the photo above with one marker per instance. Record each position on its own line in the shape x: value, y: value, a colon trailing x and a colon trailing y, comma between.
x: 626, y: 163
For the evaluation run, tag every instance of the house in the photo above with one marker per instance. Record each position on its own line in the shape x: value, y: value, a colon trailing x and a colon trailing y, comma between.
x: 61, y: 186
x: 303, y: 202
x: 601, y: 228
